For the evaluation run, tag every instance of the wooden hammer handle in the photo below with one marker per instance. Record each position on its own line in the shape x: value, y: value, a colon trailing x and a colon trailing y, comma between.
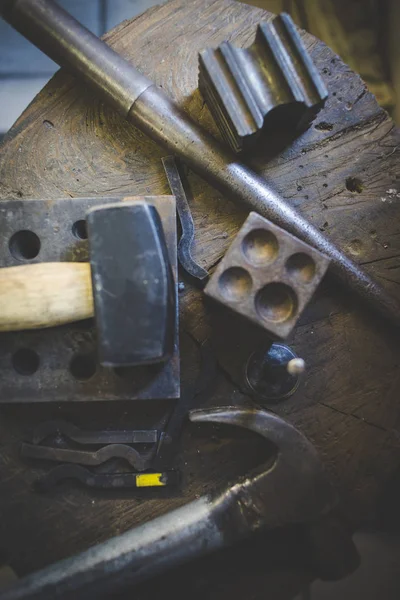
x: 44, y: 295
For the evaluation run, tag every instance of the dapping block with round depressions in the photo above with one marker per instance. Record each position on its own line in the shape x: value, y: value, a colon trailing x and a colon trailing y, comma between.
x: 267, y: 275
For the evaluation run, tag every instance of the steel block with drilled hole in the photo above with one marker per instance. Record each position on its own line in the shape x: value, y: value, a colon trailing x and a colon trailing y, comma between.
x: 268, y: 276
x: 61, y: 363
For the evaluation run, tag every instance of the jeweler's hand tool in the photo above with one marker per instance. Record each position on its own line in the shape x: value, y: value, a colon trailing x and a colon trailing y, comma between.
x: 90, y: 458
x: 98, y: 438
x: 128, y: 286
x: 272, y: 85
x: 291, y: 488
x: 145, y: 105
x: 177, y: 183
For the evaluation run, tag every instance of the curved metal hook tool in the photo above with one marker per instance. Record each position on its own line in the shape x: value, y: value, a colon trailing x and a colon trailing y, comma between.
x: 85, y: 457
x: 292, y: 487
x: 176, y: 183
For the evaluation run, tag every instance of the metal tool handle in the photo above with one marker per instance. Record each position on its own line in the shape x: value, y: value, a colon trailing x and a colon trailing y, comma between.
x: 133, y: 557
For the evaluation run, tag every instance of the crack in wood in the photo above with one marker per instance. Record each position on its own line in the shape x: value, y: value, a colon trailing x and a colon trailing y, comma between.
x: 388, y: 279
x: 374, y: 120
x: 377, y: 260
x: 350, y: 414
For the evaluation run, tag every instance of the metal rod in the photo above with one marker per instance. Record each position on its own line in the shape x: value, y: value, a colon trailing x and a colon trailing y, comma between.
x: 146, y: 106
x: 126, y: 560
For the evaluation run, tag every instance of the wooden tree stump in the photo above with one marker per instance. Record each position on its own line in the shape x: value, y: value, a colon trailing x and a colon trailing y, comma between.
x: 343, y: 174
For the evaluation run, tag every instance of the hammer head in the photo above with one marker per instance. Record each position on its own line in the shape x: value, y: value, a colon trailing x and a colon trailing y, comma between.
x: 133, y: 285
x: 291, y: 488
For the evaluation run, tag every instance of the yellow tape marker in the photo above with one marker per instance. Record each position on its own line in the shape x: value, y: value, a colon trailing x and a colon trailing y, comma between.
x: 149, y: 480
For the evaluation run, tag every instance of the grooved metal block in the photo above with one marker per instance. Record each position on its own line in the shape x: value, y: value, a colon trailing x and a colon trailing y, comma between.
x: 271, y: 85
x: 268, y: 276
x: 60, y: 363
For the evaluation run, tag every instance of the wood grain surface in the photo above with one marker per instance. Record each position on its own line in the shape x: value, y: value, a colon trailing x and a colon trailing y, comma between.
x: 45, y: 295
x: 343, y: 174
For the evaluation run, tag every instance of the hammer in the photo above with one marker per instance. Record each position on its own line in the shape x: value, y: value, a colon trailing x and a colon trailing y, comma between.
x: 290, y: 488
x: 128, y: 286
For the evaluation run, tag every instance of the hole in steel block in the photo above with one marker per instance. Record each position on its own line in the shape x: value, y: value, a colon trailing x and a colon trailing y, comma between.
x: 83, y: 366
x: 24, y: 245
x: 26, y: 361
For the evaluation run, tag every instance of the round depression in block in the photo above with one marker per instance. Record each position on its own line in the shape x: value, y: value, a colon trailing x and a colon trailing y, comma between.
x: 301, y: 266
x: 235, y: 284
x: 276, y: 302
x: 260, y: 247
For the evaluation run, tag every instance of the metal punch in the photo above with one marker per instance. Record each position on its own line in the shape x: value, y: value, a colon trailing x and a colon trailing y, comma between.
x: 86, y: 457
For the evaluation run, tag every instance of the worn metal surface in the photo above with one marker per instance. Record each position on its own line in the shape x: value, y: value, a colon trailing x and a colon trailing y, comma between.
x: 89, y: 458
x: 179, y: 188
x: 60, y: 364
x: 82, y: 436
x: 292, y: 487
x: 133, y: 285
x: 160, y: 118
x: 106, y: 481
x: 271, y: 85
x: 268, y: 276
